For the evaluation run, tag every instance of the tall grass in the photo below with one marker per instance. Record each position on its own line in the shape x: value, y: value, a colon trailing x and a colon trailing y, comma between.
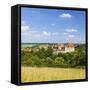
x: 37, y: 74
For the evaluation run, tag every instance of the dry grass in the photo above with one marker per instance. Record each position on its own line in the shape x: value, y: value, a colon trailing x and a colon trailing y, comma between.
x: 35, y: 74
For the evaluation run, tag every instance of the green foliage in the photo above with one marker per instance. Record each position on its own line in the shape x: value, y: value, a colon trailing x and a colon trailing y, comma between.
x: 59, y: 60
x: 46, y: 58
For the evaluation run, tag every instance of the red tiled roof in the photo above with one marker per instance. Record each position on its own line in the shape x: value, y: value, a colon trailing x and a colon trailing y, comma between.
x: 69, y: 45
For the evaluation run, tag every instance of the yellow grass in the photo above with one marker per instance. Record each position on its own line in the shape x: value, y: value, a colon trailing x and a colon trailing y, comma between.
x: 35, y: 74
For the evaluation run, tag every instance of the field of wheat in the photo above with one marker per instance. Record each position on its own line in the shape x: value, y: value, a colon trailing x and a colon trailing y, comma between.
x: 38, y: 74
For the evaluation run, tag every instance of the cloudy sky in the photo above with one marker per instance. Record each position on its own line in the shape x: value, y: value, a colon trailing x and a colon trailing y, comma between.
x: 53, y: 26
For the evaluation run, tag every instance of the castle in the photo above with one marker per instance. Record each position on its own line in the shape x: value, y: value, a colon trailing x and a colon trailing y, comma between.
x: 57, y: 47
x: 63, y: 48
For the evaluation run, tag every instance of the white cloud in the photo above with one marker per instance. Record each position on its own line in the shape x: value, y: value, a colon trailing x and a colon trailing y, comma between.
x: 65, y: 15
x: 71, y: 30
x: 25, y: 27
x: 65, y: 33
x: 46, y: 33
x: 71, y: 36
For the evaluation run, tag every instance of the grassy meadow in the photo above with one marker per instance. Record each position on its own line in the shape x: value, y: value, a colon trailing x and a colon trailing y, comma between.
x: 39, y: 74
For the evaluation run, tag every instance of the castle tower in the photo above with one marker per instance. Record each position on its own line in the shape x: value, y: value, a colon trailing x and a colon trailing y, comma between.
x: 69, y: 47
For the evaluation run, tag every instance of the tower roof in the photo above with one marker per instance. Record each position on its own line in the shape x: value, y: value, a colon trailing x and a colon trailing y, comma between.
x: 69, y: 45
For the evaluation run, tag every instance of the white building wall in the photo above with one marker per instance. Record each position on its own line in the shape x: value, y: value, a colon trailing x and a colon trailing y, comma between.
x: 69, y: 49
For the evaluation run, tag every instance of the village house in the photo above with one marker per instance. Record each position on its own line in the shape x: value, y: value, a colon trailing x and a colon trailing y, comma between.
x: 62, y: 48
x: 57, y: 47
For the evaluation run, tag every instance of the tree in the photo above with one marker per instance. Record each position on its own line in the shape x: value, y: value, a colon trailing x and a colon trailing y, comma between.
x: 49, y: 61
x: 35, y: 60
x: 59, y: 61
x: 49, y: 52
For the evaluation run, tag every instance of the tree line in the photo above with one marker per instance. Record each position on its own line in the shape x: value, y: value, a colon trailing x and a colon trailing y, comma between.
x: 46, y: 58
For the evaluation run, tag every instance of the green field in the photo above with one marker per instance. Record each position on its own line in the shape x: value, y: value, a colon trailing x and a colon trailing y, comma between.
x: 37, y: 74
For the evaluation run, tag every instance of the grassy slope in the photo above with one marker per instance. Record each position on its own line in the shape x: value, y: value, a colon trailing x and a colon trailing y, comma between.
x: 35, y: 74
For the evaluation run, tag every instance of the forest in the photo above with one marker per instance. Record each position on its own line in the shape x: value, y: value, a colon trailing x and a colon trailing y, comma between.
x: 46, y: 58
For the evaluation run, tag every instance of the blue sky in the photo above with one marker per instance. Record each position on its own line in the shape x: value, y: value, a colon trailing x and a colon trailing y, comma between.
x: 52, y: 26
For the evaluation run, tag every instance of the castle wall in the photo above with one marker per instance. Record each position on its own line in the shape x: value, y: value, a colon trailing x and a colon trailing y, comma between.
x: 69, y: 49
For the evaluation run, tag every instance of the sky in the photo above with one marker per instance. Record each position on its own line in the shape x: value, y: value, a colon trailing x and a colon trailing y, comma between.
x: 52, y: 25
